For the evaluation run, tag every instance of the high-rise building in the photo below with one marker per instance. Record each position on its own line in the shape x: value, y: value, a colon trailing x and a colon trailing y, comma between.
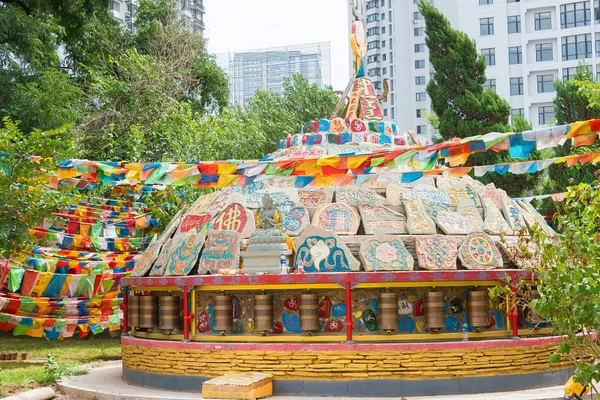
x: 265, y: 68
x: 527, y: 45
x: 191, y: 12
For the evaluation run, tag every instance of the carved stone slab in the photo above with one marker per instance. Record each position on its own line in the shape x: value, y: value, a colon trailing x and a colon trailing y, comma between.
x: 382, y: 220
x: 237, y: 218
x: 279, y: 195
x: 183, y: 253
x: 523, y: 256
x: 418, y: 222
x: 145, y: 261
x: 463, y: 192
x: 385, y: 253
x: 512, y: 215
x: 436, y: 252
x: 194, y: 222
x: 494, y: 223
x: 494, y: 194
x: 446, y: 182
x: 357, y: 196
x: 313, y: 198
x: 453, y: 223
x: 478, y: 251
x: 430, y: 193
x: 337, y: 217
x: 222, y: 251
x: 395, y: 194
x: 159, y: 267
x: 320, y: 250
x: 466, y: 207
x: 294, y: 217
x: 538, y: 218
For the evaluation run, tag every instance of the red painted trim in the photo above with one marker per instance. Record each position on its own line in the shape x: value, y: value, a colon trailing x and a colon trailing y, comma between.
x: 186, y: 313
x: 293, y: 347
x: 349, y: 322
x: 125, y: 311
x: 340, y: 278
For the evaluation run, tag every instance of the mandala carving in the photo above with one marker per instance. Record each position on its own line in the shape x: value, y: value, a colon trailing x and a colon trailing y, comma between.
x: 436, y: 252
x: 478, y: 251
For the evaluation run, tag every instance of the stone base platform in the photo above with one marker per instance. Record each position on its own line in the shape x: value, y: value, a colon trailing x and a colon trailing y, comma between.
x: 425, y: 369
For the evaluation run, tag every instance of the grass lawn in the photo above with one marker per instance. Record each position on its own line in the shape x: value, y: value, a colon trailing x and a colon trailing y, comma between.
x: 16, y: 376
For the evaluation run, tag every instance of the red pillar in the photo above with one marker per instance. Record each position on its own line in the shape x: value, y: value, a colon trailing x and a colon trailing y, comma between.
x: 349, y: 323
x: 124, y: 308
x: 186, y: 314
x: 514, y: 314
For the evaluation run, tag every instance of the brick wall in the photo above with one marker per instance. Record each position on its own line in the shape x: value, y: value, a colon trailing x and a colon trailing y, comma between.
x: 343, y: 364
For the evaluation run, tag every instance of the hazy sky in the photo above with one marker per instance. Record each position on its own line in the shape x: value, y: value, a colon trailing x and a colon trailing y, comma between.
x: 233, y: 25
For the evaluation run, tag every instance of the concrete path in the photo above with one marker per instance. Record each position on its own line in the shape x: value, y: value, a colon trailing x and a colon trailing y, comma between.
x: 105, y: 383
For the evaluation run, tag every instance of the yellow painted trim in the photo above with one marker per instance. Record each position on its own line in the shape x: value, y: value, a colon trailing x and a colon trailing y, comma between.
x: 541, y: 331
x: 160, y: 336
x: 156, y: 289
x: 294, y: 286
x: 376, y: 285
x: 428, y: 336
x: 267, y: 339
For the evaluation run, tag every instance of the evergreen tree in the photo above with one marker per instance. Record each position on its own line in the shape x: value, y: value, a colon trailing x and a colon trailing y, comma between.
x: 457, y: 95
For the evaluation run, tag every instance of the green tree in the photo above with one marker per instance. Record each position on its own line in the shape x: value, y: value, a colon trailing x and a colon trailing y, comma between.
x: 24, y: 198
x: 280, y: 115
x: 457, y: 95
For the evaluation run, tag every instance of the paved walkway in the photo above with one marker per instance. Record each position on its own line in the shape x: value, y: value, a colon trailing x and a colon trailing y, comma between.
x: 105, y: 383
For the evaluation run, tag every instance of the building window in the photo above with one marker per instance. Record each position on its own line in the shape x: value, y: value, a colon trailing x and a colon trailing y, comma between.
x: 383, y: 43
x: 490, y: 84
x: 517, y: 112
x: 384, y: 57
x: 419, y: 64
x: 576, y: 46
x: 420, y: 96
x: 486, y: 26
x: 597, y: 44
x: 575, y: 14
x: 545, y: 83
x: 420, y: 112
x: 373, y: 58
x: 514, y: 24
x: 372, y: 4
x: 419, y: 48
x: 516, y: 86
x: 568, y: 73
x: 383, y: 29
x: 419, y: 80
x: 115, y: 6
x: 543, y: 20
x: 417, y: 16
x: 384, y: 71
x: 515, y: 55
x: 543, y: 52
x: 373, y: 31
x: 373, y: 17
x: 373, y: 45
x: 419, y: 31
x: 383, y: 16
x: 545, y: 115
x: 421, y: 129
x: 489, y: 55
x: 482, y: 2
x: 375, y: 72
x: 377, y: 85
x: 597, y: 11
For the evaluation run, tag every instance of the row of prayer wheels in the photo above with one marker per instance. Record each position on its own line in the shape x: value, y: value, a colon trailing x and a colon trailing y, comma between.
x: 477, y: 309
x: 151, y: 312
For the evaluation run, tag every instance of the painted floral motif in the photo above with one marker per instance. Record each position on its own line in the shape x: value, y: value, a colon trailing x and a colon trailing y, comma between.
x: 312, y: 198
x: 437, y: 252
x: 294, y: 218
x: 479, y: 252
x: 389, y: 255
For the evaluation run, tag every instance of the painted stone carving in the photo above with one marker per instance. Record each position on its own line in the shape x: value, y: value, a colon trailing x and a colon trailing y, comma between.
x: 436, y: 252
x: 494, y: 223
x: 496, y: 195
x: 315, y: 198
x: 279, y: 195
x: 467, y: 192
x: 357, y: 196
x: 385, y: 253
x: 337, y: 217
x: 222, y: 251
x: 512, y: 215
x: 527, y: 216
x: 522, y: 255
x: 431, y: 193
x: 447, y: 182
x: 395, y: 194
x: 453, y: 223
x: 380, y: 219
x: 294, y: 218
x: 466, y: 207
x: 144, y: 263
x: 325, y: 307
x: 432, y: 208
x: 418, y: 222
x: 405, y: 307
x: 236, y: 218
x: 183, y: 253
x: 198, y: 223
x: 370, y: 320
x: 319, y: 250
x: 538, y: 218
x: 478, y: 251
x: 158, y: 269
x: 334, y: 325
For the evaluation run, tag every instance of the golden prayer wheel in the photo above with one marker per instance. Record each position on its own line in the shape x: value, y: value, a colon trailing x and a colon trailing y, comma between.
x: 169, y: 312
x: 434, y: 311
x: 133, y: 311
x: 148, y: 312
x: 223, y: 308
x: 388, y: 311
x: 534, y: 317
x: 263, y: 312
x: 477, y: 308
x: 309, y: 312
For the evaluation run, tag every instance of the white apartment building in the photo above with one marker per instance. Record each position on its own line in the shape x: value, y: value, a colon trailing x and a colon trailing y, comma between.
x: 527, y: 44
x: 191, y: 11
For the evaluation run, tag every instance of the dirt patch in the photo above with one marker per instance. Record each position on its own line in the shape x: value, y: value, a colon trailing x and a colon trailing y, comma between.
x: 8, y: 390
